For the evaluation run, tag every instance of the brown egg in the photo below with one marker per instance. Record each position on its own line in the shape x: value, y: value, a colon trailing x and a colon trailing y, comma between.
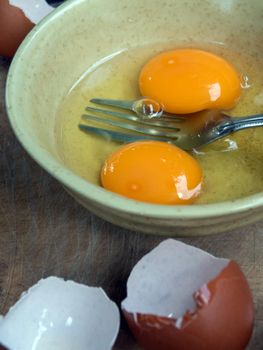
x: 59, y: 314
x: 17, y: 18
x: 222, y: 318
x: 14, y: 26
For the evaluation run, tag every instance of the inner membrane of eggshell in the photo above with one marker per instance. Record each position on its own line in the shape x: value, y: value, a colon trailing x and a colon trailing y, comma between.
x: 34, y: 10
x: 164, y: 281
x: 57, y: 314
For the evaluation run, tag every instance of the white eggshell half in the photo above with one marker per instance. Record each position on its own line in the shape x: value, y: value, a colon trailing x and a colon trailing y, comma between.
x: 58, y: 314
x: 34, y: 10
x: 160, y: 283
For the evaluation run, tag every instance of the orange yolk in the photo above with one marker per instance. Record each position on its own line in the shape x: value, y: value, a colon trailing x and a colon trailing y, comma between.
x: 153, y: 171
x: 189, y: 80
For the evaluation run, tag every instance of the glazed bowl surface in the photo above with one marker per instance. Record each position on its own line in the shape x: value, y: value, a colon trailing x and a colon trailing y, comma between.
x: 60, y: 49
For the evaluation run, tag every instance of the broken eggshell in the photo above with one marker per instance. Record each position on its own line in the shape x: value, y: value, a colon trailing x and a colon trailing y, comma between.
x: 17, y: 18
x: 56, y: 314
x: 180, y: 297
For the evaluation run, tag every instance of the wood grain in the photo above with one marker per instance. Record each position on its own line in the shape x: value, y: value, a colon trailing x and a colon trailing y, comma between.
x: 45, y: 232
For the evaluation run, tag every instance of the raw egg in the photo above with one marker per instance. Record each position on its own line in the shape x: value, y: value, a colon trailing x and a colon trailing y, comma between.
x: 189, y: 80
x: 180, y: 297
x: 56, y: 314
x: 17, y: 18
x: 153, y: 171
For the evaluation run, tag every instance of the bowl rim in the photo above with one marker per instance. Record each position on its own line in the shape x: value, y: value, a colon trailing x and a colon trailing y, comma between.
x: 95, y: 193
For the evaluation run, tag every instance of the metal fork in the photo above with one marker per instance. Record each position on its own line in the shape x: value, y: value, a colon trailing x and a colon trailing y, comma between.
x: 186, y: 131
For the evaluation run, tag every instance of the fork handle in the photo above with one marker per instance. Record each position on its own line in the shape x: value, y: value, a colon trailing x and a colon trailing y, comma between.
x: 240, y: 123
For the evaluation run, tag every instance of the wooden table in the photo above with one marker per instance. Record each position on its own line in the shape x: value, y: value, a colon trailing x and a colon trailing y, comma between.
x: 45, y: 232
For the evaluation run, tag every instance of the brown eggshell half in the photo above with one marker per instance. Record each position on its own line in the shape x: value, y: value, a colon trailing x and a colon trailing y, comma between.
x: 58, y: 314
x: 222, y: 320
x: 14, y: 26
x: 2, y: 347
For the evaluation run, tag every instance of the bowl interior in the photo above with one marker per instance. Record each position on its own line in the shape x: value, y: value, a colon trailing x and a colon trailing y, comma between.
x: 79, y: 33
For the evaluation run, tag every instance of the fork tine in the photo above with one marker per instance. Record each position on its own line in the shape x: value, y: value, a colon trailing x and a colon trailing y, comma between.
x: 134, y: 118
x: 174, y: 117
x: 133, y: 127
x: 131, y: 117
x: 129, y: 105
x: 115, y: 103
x: 119, y: 136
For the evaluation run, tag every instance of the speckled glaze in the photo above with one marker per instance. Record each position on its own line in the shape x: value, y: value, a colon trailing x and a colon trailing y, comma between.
x: 77, y: 34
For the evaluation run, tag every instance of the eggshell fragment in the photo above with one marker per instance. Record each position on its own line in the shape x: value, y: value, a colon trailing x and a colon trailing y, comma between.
x: 34, y: 10
x: 58, y: 314
x: 17, y: 18
x: 180, y: 297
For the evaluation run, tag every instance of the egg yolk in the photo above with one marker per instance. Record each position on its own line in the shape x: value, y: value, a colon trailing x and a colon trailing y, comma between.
x: 188, y: 80
x: 153, y: 171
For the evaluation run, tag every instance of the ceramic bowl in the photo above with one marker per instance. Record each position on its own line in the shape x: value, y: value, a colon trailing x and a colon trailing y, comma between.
x: 77, y: 34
